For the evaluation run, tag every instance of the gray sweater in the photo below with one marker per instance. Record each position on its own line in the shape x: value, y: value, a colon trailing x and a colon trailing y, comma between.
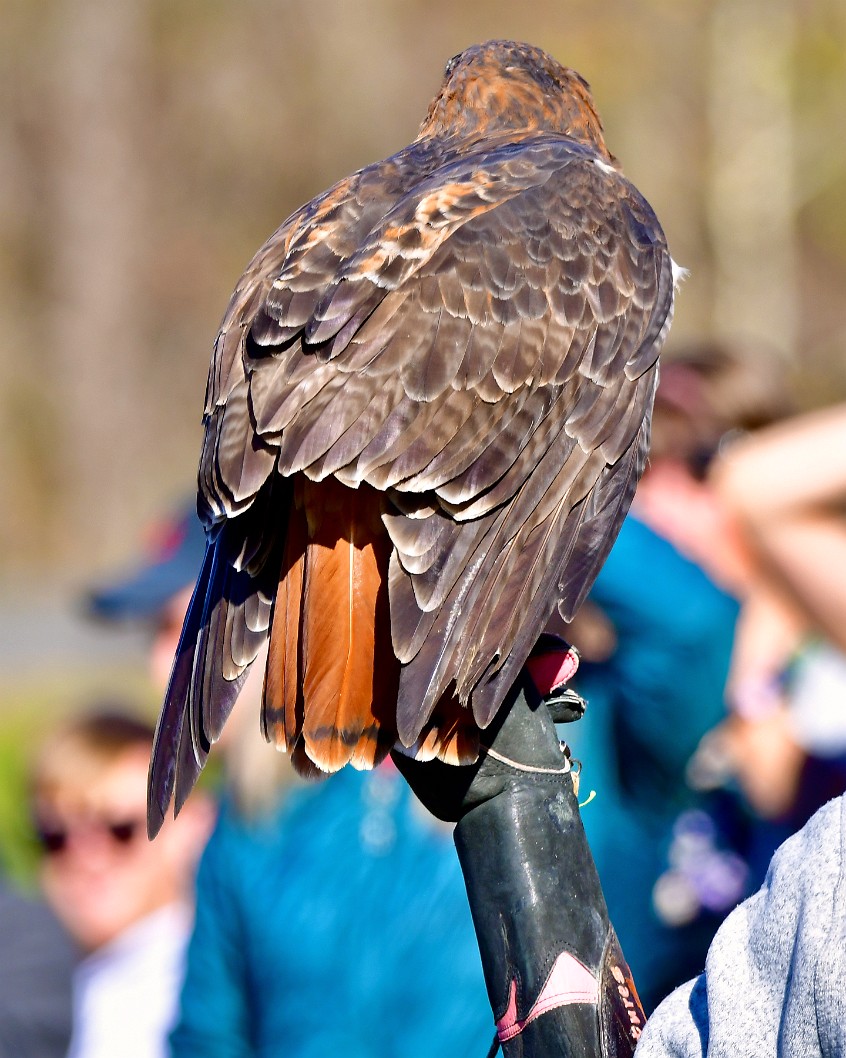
x: 36, y: 964
x: 774, y: 984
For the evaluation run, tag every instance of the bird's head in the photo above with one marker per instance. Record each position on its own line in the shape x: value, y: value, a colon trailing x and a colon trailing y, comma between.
x: 505, y: 86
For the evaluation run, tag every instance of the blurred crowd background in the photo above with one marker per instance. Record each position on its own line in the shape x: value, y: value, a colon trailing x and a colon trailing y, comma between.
x: 147, y: 148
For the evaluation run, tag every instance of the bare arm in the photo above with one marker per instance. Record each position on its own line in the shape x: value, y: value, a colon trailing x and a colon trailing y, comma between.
x: 787, y: 488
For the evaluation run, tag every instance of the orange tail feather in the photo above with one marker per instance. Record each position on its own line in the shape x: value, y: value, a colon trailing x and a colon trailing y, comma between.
x: 332, y: 675
x: 282, y: 712
x: 450, y: 734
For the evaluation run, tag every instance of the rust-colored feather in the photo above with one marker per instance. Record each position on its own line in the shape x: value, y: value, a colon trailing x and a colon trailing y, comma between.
x: 282, y: 712
x: 450, y: 734
x: 344, y: 592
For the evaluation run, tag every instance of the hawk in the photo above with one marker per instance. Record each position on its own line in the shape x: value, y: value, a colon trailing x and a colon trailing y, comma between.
x: 426, y: 414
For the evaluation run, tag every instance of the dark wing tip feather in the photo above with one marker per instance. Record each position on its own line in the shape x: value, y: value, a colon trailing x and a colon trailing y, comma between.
x: 200, y: 693
x: 163, y: 762
x: 190, y: 760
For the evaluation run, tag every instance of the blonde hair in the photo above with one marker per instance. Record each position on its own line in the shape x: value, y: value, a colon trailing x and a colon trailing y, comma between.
x: 77, y: 754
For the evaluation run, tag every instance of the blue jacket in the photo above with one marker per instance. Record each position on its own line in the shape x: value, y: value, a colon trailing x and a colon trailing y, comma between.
x: 649, y: 705
x: 337, y: 926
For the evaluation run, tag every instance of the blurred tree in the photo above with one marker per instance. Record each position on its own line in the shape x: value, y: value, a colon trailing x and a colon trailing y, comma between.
x: 150, y: 145
x: 97, y: 304
x: 750, y: 189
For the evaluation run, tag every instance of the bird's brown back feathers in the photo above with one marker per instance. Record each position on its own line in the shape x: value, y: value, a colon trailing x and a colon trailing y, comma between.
x: 426, y: 414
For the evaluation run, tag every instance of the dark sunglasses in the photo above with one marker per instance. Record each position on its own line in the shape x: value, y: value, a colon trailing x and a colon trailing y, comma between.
x: 54, y: 840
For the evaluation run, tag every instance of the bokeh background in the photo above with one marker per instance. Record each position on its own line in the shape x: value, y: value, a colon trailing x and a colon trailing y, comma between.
x: 147, y: 147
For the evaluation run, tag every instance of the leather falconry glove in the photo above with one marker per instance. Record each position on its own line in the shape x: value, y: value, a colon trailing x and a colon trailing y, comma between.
x: 557, y: 980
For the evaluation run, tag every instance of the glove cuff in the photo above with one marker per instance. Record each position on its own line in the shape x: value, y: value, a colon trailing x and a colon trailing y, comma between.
x: 556, y: 978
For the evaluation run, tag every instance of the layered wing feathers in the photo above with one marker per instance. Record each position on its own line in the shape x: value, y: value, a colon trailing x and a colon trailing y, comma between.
x: 473, y: 333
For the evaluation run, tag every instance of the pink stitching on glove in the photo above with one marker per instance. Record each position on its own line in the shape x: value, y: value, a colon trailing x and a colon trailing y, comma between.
x: 569, y: 981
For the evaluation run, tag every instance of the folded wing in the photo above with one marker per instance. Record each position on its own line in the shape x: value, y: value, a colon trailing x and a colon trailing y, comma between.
x: 473, y: 336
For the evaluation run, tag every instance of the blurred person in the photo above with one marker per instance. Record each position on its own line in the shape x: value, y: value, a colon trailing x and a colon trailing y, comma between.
x: 124, y: 901
x: 772, y: 979
x: 335, y: 924
x: 657, y: 637
x: 786, y: 736
x: 312, y: 900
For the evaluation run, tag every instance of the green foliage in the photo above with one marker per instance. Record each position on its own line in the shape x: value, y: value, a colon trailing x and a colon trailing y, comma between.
x: 18, y: 848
